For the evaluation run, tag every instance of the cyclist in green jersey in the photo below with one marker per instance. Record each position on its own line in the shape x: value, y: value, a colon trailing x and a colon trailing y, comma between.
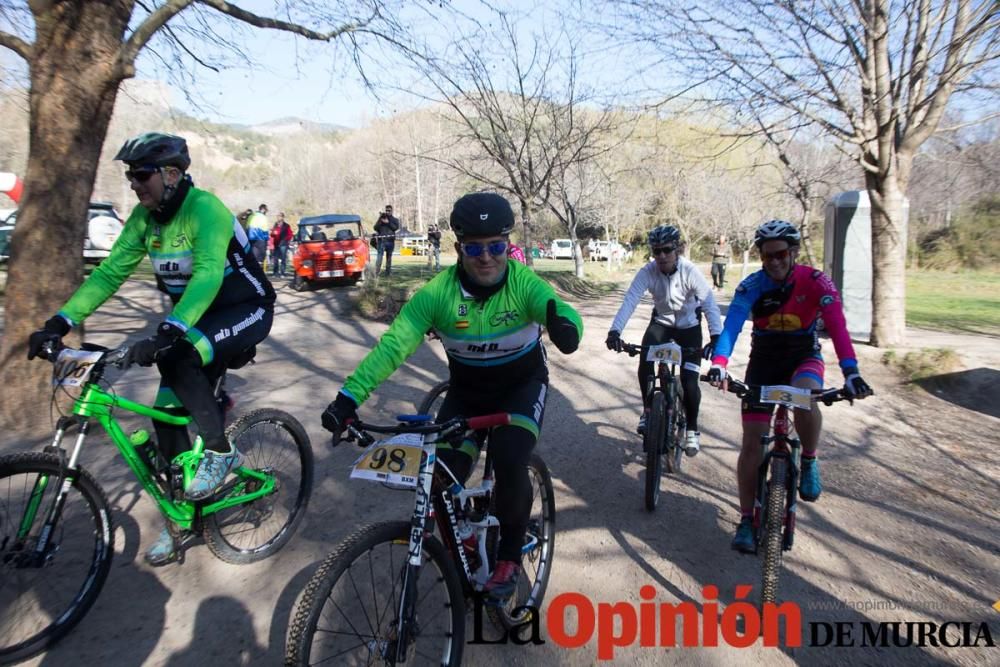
x: 222, y: 302
x: 488, y: 311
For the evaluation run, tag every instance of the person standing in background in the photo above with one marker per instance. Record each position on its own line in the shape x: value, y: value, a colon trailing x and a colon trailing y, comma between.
x: 385, y: 232
x: 720, y: 260
x: 258, y: 231
x: 281, y: 237
x: 434, y: 240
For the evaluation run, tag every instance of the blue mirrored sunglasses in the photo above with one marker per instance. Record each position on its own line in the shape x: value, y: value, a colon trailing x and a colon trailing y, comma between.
x: 496, y: 248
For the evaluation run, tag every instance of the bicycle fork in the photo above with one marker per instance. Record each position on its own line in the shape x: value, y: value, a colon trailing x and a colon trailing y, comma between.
x: 396, y: 648
x: 43, y: 549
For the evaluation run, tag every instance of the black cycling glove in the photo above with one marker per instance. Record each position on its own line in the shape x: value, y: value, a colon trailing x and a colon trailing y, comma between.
x: 562, y: 332
x: 148, y: 350
x: 51, y: 332
x: 709, y: 350
x: 855, y: 385
x: 614, y: 341
x: 341, y: 412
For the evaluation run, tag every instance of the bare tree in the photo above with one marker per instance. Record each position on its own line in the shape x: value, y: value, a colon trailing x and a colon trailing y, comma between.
x: 875, y: 75
x: 515, y: 113
x: 77, y: 54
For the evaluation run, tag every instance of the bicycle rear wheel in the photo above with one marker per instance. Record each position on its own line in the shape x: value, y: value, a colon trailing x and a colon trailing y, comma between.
x: 43, y: 598
x: 348, y: 614
x: 539, y: 547
x: 273, y: 442
x: 431, y: 404
x: 776, y: 499
x: 656, y: 431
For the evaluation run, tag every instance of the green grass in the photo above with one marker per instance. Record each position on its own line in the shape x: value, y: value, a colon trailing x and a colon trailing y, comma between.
x: 967, y: 301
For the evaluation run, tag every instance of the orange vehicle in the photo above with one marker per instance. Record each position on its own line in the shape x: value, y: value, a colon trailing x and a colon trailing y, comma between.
x: 332, y: 248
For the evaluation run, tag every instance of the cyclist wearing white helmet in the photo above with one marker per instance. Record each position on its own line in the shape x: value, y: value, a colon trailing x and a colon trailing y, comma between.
x: 784, y: 299
x: 679, y: 290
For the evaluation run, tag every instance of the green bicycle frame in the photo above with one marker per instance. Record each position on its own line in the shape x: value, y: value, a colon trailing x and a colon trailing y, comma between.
x: 96, y: 403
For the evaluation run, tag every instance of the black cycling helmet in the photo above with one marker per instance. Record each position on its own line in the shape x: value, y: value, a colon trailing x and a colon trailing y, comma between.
x: 162, y: 150
x: 777, y: 230
x: 482, y: 214
x: 664, y: 235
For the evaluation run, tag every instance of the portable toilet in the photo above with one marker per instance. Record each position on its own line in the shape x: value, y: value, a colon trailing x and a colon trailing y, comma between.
x: 847, y: 256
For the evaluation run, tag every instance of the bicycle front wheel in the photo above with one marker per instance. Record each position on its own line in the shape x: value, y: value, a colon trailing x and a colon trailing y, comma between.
x: 776, y: 499
x: 349, y: 612
x: 275, y: 443
x: 656, y: 432
x: 43, y: 596
x: 539, y: 547
x: 431, y: 404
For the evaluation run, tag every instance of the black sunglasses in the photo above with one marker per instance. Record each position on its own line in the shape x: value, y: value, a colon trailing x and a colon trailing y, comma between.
x: 142, y: 175
x: 664, y: 250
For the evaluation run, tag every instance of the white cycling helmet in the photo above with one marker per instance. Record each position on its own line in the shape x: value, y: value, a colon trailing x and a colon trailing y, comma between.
x: 777, y: 230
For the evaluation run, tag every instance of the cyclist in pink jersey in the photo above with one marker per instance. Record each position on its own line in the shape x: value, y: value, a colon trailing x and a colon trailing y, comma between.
x: 784, y: 300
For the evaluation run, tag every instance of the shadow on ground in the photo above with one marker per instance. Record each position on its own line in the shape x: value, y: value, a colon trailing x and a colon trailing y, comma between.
x: 976, y: 389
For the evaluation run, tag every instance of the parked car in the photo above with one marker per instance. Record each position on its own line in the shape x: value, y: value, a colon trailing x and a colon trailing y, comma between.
x: 331, y: 248
x: 5, y: 231
x: 562, y: 249
x: 104, y: 226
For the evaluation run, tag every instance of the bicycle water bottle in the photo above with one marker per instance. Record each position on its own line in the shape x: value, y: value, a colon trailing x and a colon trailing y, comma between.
x: 145, y: 447
x: 467, y: 536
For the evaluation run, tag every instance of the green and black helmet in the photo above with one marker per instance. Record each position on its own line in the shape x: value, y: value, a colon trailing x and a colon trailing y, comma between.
x: 156, y: 148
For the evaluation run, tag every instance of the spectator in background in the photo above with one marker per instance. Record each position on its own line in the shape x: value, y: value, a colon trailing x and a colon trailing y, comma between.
x: 385, y: 231
x: 720, y: 260
x: 434, y: 239
x: 244, y: 218
x: 281, y: 237
x: 258, y: 231
x: 516, y: 254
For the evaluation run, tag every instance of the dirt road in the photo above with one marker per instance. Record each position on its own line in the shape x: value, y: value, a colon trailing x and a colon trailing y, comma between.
x: 906, y: 529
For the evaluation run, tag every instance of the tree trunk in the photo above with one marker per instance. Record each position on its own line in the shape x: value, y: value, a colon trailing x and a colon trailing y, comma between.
x: 888, y: 261
x: 74, y: 82
x: 526, y: 226
x: 806, y: 227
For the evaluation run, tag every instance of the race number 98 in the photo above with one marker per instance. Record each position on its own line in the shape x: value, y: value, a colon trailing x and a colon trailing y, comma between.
x: 393, y: 460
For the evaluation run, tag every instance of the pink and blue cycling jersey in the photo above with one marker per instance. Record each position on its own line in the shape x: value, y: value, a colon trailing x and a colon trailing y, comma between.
x: 784, y: 317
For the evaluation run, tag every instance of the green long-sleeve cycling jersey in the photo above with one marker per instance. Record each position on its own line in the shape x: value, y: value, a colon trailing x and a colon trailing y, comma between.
x: 491, y: 342
x: 201, y: 259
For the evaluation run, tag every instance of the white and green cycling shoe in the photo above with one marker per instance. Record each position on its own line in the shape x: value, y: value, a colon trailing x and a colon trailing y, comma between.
x: 211, y: 472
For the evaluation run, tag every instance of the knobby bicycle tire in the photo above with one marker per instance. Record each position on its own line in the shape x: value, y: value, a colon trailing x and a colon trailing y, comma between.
x: 675, y: 426
x: 364, y: 565
x: 656, y: 426
x: 776, y: 499
x: 274, y: 441
x: 427, y: 406
x: 30, y: 595
x: 536, y: 565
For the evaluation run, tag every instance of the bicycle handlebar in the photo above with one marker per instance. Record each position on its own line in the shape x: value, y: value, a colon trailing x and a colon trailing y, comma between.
x: 825, y: 396
x: 632, y: 349
x: 362, y: 431
x: 114, y: 356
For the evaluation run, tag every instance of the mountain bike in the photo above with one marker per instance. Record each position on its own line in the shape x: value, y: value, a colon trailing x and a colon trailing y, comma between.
x: 776, y: 499
x: 393, y: 592
x: 56, y: 530
x: 667, y: 420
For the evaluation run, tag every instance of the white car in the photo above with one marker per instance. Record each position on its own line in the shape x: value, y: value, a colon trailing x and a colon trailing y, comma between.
x: 562, y: 249
x: 104, y: 226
